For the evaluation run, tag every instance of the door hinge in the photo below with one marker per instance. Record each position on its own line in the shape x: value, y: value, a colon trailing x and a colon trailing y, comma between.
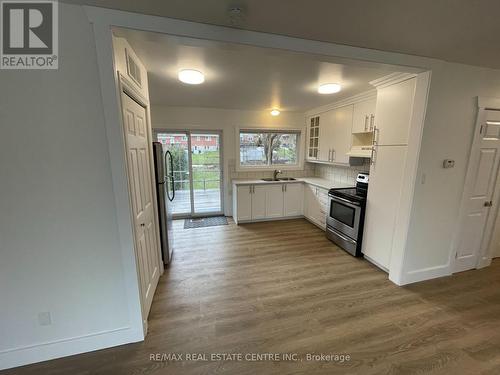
x: 481, y: 129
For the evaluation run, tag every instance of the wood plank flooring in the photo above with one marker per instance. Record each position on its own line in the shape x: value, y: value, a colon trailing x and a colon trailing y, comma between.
x: 282, y: 287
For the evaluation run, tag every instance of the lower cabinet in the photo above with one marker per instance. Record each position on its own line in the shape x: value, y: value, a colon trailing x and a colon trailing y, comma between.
x: 316, y: 205
x: 293, y: 200
x: 267, y: 201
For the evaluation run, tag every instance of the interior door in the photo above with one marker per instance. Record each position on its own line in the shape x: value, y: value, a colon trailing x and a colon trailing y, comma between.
x: 140, y: 181
x: 482, y: 177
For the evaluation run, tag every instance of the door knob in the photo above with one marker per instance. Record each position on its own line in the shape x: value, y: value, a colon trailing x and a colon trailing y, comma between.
x: 488, y: 204
x: 142, y: 225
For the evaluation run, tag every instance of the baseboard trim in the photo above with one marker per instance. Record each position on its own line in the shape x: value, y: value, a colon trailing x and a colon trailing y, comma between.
x: 425, y: 274
x: 66, y: 347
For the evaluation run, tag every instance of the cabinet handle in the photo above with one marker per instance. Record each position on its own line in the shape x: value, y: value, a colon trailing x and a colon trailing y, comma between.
x: 372, y: 121
x: 334, y: 154
x: 366, y: 122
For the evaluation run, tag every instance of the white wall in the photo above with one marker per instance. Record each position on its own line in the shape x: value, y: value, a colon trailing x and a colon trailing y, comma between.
x: 448, y: 131
x: 227, y: 120
x: 59, y: 247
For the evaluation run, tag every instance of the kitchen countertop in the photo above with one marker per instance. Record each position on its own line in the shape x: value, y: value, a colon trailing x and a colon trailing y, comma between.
x: 316, y: 181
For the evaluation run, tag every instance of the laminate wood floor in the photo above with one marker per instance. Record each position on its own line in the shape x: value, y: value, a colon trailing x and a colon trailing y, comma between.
x: 282, y: 287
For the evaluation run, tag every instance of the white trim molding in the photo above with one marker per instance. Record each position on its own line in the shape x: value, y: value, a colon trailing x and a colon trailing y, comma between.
x: 391, y: 79
x: 61, y: 348
x: 367, y: 95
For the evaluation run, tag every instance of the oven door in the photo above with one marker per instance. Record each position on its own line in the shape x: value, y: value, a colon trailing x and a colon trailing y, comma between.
x: 344, y: 216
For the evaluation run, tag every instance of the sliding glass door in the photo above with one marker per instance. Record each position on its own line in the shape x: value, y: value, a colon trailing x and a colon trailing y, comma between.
x: 197, y: 171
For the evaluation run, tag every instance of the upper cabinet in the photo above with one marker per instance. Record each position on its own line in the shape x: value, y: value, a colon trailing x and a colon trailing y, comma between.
x: 329, y: 136
x: 393, y: 113
x: 364, y: 116
x: 313, y: 138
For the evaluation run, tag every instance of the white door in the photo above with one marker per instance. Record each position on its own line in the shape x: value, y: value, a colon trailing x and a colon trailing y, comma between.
x: 244, y: 202
x: 140, y: 182
x: 481, y: 181
x: 274, y: 201
x: 294, y: 199
x: 393, y: 113
x: 384, y: 190
x: 340, y: 134
x: 258, y: 202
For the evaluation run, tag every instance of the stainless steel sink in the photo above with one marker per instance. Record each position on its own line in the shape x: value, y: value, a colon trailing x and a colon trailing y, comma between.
x: 279, y: 179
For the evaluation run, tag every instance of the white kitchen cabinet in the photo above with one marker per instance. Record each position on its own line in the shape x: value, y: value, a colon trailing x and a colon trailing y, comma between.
x: 393, y: 113
x: 274, y: 201
x: 384, y: 190
x: 340, y: 134
x: 259, y: 202
x: 334, y: 140
x: 313, y: 126
x: 316, y: 205
x: 243, y: 199
x: 293, y: 201
x: 363, y: 119
x: 265, y: 201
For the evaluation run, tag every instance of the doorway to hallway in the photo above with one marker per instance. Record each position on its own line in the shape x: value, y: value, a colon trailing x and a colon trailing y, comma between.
x: 197, y: 171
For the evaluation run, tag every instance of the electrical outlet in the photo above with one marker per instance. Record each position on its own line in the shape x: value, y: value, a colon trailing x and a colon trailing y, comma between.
x: 44, y: 318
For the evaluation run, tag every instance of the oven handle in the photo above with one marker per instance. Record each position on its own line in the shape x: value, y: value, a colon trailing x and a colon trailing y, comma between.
x: 344, y: 200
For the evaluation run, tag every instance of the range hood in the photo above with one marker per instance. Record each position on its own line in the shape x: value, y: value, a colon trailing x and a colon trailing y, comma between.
x: 360, y: 151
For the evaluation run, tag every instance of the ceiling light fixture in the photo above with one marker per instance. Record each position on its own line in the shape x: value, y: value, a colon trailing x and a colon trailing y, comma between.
x: 329, y: 88
x: 275, y: 112
x: 191, y: 76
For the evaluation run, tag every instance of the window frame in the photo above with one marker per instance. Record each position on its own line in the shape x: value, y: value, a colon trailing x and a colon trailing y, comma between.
x: 256, y: 168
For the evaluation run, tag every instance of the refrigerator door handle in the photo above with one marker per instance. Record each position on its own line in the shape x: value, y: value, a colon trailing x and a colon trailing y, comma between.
x: 168, y: 155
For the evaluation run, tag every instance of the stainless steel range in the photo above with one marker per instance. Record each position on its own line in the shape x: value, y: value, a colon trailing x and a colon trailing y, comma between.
x: 345, y: 219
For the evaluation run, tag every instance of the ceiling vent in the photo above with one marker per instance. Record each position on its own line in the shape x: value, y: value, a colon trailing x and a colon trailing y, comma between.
x: 133, y: 69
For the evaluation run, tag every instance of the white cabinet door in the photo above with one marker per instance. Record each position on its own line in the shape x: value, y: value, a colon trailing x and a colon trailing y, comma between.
x: 382, y: 204
x: 393, y: 113
x: 294, y: 199
x: 340, y: 134
x: 259, y: 202
x: 325, y: 136
x: 363, y: 116
x: 274, y: 201
x: 243, y: 202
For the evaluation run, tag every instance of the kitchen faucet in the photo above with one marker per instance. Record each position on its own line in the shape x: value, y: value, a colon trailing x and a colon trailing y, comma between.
x: 275, y: 173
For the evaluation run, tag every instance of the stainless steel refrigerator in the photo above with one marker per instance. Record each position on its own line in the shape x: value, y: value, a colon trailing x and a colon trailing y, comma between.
x: 165, y: 191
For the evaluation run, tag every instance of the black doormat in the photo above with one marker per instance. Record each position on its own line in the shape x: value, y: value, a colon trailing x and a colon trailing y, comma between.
x: 205, y: 222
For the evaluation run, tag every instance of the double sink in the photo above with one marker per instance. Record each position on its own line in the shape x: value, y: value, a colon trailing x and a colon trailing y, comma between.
x: 279, y: 179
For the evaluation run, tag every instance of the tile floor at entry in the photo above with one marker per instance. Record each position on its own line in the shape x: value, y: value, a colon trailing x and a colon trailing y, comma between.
x: 282, y: 287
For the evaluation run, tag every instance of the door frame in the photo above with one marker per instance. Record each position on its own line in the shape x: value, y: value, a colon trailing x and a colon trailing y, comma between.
x: 103, y: 20
x: 484, y: 256
x: 189, y: 133
x: 127, y: 87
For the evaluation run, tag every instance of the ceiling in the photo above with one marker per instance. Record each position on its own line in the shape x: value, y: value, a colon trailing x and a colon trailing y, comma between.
x: 244, y: 77
x: 465, y: 31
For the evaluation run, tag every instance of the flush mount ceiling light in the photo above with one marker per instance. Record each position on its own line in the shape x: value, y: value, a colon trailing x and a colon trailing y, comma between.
x: 329, y: 88
x: 275, y: 112
x: 191, y: 76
